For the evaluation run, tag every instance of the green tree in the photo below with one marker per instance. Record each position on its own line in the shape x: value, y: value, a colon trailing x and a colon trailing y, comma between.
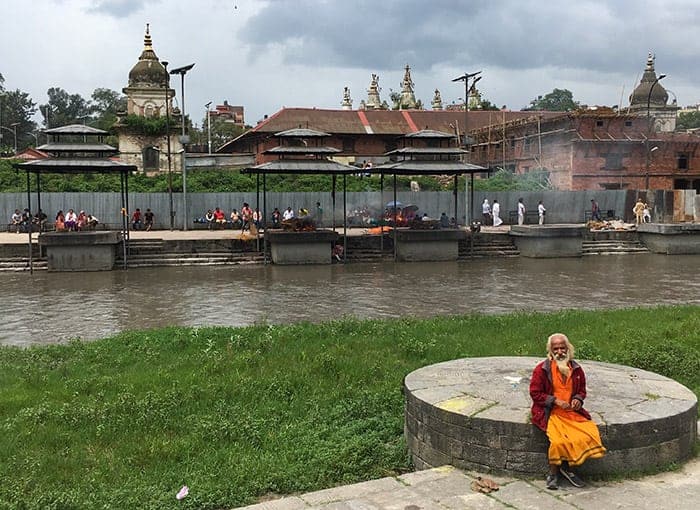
x: 64, y: 108
x: 558, y: 100
x: 222, y: 131
x: 487, y: 105
x: 688, y: 120
x: 16, y: 111
x: 104, y: 107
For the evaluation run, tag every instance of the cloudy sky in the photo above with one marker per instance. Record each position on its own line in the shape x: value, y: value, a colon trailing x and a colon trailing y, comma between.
x: 268, y: 54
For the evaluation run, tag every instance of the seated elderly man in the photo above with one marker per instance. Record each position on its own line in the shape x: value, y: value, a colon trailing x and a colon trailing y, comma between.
x: 558, y: 389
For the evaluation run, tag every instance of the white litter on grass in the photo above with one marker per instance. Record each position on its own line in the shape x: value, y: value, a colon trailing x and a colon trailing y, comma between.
x: 183, y: 492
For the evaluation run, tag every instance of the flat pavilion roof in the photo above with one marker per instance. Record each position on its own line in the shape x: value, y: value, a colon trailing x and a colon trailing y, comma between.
x: 75, y: 166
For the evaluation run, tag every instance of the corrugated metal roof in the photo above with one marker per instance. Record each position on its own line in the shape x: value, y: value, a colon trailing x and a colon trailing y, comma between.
x: 77, y: 147
x: 75, y: 166
x: 440, y: 151
x: 302, y: 150
x: 302, y: 133
x: 430, y: 133
x: 75, y: 129
x: 429, y: 168
x: 312, y: 166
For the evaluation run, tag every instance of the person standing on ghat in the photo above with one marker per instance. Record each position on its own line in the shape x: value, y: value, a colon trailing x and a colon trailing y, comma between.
x: 558, y: 389
x: 540, y: 212
x: 521, y: 211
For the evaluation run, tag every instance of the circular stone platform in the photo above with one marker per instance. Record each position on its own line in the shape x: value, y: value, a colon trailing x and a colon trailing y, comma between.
x: 474, y: 413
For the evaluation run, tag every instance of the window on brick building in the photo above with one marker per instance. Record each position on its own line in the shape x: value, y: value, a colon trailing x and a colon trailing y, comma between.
x: 628, y: 123
x: 512, y: 143
x: 613, y: 161
x: 683, y: 161
x: 526, y: 145
x: 348, y: 145
x: 598, y: 123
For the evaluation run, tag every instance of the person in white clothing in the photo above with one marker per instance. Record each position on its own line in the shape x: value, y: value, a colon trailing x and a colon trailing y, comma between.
x: 496, y: 211
x: 288, y: 214
x: 521, y: 211
x: 540, y: 212
x: 486, y: 211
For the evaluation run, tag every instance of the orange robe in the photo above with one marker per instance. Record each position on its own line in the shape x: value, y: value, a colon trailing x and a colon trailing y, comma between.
x: 572, y: 437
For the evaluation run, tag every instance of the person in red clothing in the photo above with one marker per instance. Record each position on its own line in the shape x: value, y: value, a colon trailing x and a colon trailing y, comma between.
x: 136, y: 219
x: 558, y: 390
x: 219, y: 218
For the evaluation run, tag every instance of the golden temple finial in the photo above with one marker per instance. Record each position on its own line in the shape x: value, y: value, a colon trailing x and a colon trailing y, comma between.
x: 147, y: 43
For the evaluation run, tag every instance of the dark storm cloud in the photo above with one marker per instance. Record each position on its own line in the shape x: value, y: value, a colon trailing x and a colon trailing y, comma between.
x: 594, y: 35
x: 117, y: 8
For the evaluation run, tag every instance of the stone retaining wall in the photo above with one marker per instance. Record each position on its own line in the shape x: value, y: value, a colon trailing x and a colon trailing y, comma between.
x: 472, y: 413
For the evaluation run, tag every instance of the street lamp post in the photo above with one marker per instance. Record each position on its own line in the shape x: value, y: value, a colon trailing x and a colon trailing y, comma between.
x: 36, y: 138
x: 12, y: 129
x: 649, y: 128
x: 208, y: 125
x: 184, y: 140
x: 167, y: 136
x: 468, y: 198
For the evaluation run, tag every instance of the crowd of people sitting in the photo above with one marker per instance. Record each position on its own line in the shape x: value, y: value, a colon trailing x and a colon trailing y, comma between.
x: 65, y: 222
x: 242, y: 220
x: 72, y: 222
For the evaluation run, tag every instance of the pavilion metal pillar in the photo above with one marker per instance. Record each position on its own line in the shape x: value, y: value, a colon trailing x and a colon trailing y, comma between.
x: 29, y: 223
x: 345, y: 219
x: 265, y: 217
x: 257, y: 209
x: 381, y: 220
x: 333, y: 200
x: 454, y: 192
x: 396, y: 253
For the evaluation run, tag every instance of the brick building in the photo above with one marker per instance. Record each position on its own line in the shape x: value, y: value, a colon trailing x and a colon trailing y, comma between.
x: 592, y: 149
x: 364, y: 135
x: 229, y: 113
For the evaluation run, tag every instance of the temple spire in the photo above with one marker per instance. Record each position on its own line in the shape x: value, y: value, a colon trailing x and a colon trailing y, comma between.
x: 147, y: 43
x: 407, y: 100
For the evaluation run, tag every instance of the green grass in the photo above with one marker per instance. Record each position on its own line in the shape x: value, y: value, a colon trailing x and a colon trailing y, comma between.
x: 237, y: 413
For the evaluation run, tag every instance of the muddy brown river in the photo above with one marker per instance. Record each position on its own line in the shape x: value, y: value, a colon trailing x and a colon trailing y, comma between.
x: 48, y: 308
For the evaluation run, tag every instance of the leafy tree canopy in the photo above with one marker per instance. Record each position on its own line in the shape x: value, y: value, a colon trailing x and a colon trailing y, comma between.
x: 16, y: 111
x: 558, y: 100
x: 688, y: 120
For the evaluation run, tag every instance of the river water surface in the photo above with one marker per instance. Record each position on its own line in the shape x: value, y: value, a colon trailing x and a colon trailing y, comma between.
x: 55, y: 307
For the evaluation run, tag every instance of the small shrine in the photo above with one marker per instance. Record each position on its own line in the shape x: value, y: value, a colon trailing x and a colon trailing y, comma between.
x: 148, y: 130
x: 651, y: 98
x: 346, y: 104
x: 436, y: 103
x: 407, y: 99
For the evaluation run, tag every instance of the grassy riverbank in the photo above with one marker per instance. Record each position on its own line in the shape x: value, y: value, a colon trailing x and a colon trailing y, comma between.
x: 239, y: 413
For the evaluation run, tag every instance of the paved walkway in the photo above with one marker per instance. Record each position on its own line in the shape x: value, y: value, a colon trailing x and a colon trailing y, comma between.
x: 449, y: 488
x: 22, y: 238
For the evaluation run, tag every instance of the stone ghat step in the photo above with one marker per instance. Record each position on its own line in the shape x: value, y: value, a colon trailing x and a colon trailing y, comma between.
x: 22, y: 265
x: 208, y: 254
x: 491, y: 252
x: 611, y: 247
x: 196, y: 257
x: 198, y: 262
x: 486, y: 256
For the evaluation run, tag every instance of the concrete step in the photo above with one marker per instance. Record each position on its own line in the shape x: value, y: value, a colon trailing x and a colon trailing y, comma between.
x: 209, y: 254
x: 613, y: 247
x: 22, y: 265
x: 198, y: 262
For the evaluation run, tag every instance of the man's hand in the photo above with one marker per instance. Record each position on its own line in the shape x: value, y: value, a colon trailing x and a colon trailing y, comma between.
x: 576, y: 404
x: 562, y: 403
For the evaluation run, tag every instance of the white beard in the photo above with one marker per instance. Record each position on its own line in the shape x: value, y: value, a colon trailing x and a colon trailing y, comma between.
x: 563, y: 366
